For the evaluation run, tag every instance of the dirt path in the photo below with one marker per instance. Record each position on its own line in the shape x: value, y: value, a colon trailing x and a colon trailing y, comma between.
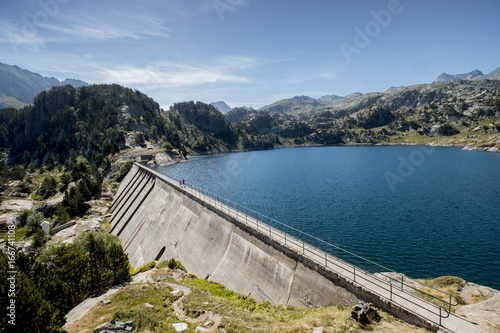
x: 178, y: 307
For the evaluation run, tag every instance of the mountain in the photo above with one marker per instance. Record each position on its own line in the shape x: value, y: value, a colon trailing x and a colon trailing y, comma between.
x: 494, y: 75
x: 19, y: 86
x: 329, y: 98
x: 221, y: 106
x: 294, y: 105
x: 467, y: 76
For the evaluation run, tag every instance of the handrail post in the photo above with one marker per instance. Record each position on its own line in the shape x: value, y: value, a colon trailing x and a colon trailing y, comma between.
x: 354, y: 273
x: 390, y: 295
x: 303, y: 248
x: 449, y: 305
x: 402, y: 278
x: 440, y: 316
x: 326, y: 260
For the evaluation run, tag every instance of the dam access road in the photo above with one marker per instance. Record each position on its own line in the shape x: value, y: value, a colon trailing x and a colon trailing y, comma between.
x: 156, y: 218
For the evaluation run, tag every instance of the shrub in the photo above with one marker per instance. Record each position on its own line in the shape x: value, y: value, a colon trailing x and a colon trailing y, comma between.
x: 144, y: 268
x: 172, y: 264
x: 33, y: 219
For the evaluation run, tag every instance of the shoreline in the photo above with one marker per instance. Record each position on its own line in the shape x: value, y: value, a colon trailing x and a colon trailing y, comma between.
x: 379, y: 144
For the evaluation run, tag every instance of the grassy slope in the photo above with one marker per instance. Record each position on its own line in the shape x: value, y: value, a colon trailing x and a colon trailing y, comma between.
x: 227, y: 310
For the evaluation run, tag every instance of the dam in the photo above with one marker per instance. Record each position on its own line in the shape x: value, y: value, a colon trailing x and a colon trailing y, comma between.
x: 157, y: 218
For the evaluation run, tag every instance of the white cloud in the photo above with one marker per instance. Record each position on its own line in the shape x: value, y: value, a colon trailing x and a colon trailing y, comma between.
x: 78, y: 27
x: 170, y: 74
x: 116, y: 25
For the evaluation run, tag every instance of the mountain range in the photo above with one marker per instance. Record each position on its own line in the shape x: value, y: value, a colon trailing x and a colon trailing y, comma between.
x: 450, y: 112
x: 304, y: 104
x: 19, y: 86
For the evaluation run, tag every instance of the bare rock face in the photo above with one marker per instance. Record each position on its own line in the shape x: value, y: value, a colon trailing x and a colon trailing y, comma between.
x: 485, y: 313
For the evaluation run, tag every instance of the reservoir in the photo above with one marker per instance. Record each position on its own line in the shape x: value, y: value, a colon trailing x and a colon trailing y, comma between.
x: 422, y: 211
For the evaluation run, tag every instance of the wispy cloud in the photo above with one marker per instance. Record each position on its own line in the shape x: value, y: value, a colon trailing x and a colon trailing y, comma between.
x: 170, y: 74
x: 74, y: 27
x: 117, y: 25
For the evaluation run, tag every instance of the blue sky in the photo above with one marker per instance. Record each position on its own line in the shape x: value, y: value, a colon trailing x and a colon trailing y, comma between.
x: 250, y: 52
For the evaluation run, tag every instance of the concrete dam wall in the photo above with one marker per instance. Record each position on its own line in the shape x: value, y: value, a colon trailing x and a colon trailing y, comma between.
x: 157, y: 219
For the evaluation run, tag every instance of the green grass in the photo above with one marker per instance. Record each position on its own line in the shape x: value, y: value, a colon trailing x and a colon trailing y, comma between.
x: 144, y: 268
x: 105, y: 225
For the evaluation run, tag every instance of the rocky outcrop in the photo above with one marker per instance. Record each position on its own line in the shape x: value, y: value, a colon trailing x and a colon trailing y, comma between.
x: 490, y: 145
x: 364, y: 313
x: 115, y: 327
x: 375, y: 117
x: 486, y: 314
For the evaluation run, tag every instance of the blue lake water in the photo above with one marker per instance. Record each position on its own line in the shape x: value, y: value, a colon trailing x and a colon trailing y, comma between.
x: 422, y: 211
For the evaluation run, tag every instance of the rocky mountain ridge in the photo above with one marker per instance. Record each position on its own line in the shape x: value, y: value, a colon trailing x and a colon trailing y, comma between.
x: 394, y: 97
x: 221, y: 106
x: 472, y: 75
x: 457, y: 77
x: 19, y: 86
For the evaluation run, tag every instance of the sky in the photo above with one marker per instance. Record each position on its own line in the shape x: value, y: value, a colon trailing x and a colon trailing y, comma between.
x: 250, y: 52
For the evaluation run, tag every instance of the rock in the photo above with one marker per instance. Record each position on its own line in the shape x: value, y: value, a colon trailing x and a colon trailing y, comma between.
x: 201, y: 329
x: 318, y: 329
x: 176, y: 293
x: 180, y: 327
x: 484, y: 313
x: 208, y: 323
x: 115, y: 326
x: 364, y: 313
x: 106, y: 301
x: 149, y: 306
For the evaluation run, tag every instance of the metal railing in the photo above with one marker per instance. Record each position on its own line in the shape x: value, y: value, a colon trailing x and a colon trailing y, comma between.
x: 332, y: 257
